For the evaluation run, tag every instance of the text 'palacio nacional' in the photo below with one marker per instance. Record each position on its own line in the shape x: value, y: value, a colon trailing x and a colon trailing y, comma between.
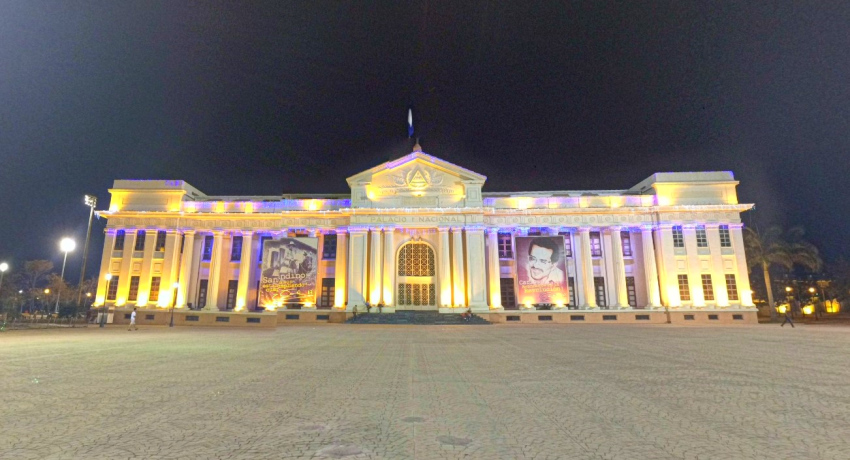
x: 419, y: 233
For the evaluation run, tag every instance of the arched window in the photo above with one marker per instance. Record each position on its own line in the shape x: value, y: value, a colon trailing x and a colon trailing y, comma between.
x: 416, y: 259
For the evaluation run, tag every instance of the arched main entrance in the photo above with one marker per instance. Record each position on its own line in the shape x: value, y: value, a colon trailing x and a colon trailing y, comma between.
x: 416, y: 281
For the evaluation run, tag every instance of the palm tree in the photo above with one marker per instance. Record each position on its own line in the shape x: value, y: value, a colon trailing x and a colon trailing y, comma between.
x: 772, y: 247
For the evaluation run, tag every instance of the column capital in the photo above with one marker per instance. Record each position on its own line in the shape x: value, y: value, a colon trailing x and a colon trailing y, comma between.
x: 615, y: 228
x: 492, y: 230
x: 584, y: 229
x: 341, y: 230
x: 712, y: 225
x: 456, y: 229
x: 475, y: 230
x: 646, y: 228
x: 443, y: 229
x: 247, y: 233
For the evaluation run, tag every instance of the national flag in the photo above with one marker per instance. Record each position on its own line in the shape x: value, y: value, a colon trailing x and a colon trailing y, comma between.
x: 409, y: 122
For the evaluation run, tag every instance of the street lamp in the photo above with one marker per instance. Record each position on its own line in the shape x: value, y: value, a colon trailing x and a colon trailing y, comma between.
x: 91, y: 202
x: 3, y: 267
x: 176, y: 286
x: 66, y: 245
x: 105, y: 295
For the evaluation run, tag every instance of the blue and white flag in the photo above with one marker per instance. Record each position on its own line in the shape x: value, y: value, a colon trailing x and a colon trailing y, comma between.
x: 409, y: 122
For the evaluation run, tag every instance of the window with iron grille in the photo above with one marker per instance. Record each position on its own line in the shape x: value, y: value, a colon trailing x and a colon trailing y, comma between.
x: 134, y: 289
x: 626, y: 238
x: 678, y: 237
x: 236, y: 249
x: 572, y: 289
x: 731, y: 287
x: 329, y: 247
x: 202, y: 293
x: 154, y: 294
x: 232, y: 287
x: 119, y: 240
x: 725, y: 238
x: 206, y: 254
x: 140, y: 240
x: 599, y: 284
x: 416, y: 259
x: 328, y: 292
x: 568, y: 244
x: 684, y: 288
x: 702, y: 238
x: 160, y: 241
x: 507, y: 289
x: 112, y: 289
x: 631, y: 291
x: 506, y: 249
x: 707, y: 287
x: 595, y: 244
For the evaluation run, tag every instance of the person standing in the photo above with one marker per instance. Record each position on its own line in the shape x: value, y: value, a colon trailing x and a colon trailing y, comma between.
x: 133, y: 321
x: 787, y: 318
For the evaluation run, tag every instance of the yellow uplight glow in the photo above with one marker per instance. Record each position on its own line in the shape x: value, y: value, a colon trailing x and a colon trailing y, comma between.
x: 249, y: 207
x: 782, y: 309
x: 808, y: 309
x: 219, y: 206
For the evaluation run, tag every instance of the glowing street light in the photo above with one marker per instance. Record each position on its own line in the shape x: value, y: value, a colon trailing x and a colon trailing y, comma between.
x: 104, y: 310
x: 66, y: 245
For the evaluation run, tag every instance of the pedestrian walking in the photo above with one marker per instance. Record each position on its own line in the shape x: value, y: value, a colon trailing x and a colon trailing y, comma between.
x: 133, y: 321
x: 787, y: 319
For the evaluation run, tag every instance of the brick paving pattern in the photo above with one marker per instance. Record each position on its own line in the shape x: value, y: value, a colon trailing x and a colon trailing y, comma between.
x: 433, y: 392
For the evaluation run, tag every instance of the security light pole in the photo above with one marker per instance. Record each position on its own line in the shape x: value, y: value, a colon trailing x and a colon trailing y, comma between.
x: 91, y: 202
x: 66, y: 245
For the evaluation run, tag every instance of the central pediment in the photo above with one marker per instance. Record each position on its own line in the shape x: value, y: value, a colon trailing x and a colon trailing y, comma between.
x: 416, y: 180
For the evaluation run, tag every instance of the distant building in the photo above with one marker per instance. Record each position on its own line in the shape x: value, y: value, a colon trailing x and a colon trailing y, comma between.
x: 419, y: 233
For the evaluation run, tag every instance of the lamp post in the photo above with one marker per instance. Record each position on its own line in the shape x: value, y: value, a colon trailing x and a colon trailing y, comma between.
x: 91, y: 202
x: 66, y: 245
x: 105, y: 295
x: 176, y: 286
x: 3, y: 267
x: 46, y: 298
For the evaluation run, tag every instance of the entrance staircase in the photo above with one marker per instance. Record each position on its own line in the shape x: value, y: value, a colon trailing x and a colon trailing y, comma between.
x: 416, y: 318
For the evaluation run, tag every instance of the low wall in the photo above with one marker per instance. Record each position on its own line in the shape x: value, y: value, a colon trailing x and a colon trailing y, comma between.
x: 196, y: 318
x: 577, y: 317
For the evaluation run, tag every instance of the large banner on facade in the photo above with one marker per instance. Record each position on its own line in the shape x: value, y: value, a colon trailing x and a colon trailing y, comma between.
x: 541, y: 270
x: 289, y: 272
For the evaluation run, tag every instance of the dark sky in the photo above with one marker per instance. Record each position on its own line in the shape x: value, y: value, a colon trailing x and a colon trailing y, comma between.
x: 276, y: 97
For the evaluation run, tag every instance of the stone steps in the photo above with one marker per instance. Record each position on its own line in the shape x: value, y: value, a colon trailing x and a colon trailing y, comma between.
x: 416, y: 318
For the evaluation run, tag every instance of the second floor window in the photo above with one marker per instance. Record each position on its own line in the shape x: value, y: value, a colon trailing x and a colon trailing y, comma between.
x: 678, y: 237
x: 568, y: 244
x: 506, y: 250
x: 329, y: 247
x: 119, y: 241
x: 725, y: 238
x: 595, y: 244
x: 236, y: 249
x: 263, y: 240
x: 160, y: 241
x: 626, y: 238
x: 702, y: 238
x: 140, y: 241
x: 206, y: 254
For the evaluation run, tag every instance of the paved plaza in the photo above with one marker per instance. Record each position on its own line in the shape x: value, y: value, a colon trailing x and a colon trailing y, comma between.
x: 427, y: 392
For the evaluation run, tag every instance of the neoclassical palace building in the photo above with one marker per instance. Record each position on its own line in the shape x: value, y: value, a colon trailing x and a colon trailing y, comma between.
x: 419, y: 233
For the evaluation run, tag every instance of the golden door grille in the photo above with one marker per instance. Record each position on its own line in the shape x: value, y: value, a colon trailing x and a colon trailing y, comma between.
x: 416, y: 294
x: 416, y: 259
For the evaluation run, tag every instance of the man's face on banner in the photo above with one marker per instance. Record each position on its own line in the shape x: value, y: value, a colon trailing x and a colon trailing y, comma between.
x: 539, y: 263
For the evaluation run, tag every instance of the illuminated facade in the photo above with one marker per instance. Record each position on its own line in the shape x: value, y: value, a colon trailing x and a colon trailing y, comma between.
x: 419, y: 233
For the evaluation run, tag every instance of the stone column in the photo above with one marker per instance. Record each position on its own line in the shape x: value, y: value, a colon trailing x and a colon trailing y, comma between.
x: 694, y: 271
x: 493, y: 269
x: 105, y: 266
x: 578, y: 260
x: 389, y: 264
x: 445, y: 269
x: 340, y: 276
x: 376, y: 265
x: 649, y: 268
x: 185, y: 270
x: 741, y: 276
x: 587, y: 269
x: 458, y: 273
x: 170, y: 264
x: 666, y: 255
x: 215, y: 271
x: 246, y: 261
x: 357, y: 280
x: 195, y: 269
x: 619, y: 266
x: 145, y: 275
x: 126, y: 266
x: 718, y: 280
x: 476, y: 269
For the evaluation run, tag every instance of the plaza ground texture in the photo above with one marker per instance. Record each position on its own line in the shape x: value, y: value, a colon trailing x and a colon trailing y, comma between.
x: 427, y: 392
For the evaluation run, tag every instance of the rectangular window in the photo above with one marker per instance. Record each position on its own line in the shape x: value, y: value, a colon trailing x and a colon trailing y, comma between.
x: 506, y: 286
x: 328, y: 292
x: 329, y: 247
x: 684, y: 288
x: 599, y: 284
x: 206, y: 254
x: 630, y: 290
x: 702, y: 239
x: 572, y: 289
x: 202, y: 293
x: 725, y: 238
x: 154, y: 295
x: 506, y: 250
x: 119, y: 240
x: 140, y: 241
x: 595, y: 244
x: 112, y: 289
x: 678, y: 237
x: 236, y: 249
x: 160, y: 241
x: 263, y: 240
x: 626, y: 238
x: 731, y: 287
x: 134, y: 289
x: 182, y: 242
x: 232, y: 286
x: 707, y: 288
x: 568, y: 244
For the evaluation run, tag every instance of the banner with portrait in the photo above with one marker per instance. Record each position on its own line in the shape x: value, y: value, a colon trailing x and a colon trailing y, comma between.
x: 541, y: 270
x: 289, y: 272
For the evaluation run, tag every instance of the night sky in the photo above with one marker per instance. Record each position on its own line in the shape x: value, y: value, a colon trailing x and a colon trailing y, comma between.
x: 267, y: 98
